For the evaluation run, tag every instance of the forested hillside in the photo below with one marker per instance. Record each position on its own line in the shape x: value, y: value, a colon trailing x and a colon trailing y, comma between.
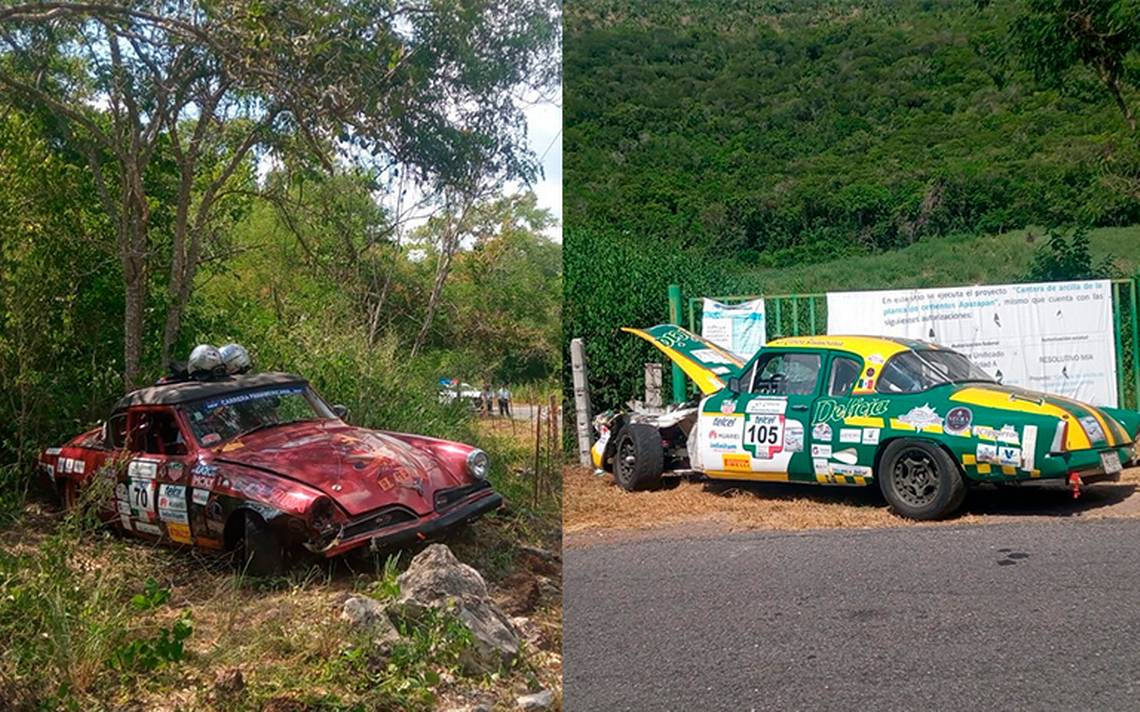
x: 796, y: 130
x: 730, y: 146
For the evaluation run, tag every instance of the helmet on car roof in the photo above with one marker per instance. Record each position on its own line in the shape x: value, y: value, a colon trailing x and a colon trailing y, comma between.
x: 235, y: 358
x: 205, y: 362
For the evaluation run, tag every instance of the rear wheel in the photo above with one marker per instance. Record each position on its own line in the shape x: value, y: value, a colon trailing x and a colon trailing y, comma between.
x: 638, y: 457
x: 920, y: 480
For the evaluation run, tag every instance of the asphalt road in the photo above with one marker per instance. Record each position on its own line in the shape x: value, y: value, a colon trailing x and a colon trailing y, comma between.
x: 1021, y: 616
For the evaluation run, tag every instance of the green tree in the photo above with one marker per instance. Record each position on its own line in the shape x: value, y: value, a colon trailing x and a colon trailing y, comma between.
x: 211, y: 87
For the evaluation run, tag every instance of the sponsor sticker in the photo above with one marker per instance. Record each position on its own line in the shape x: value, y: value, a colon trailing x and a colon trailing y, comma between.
x: 728, y: 406
x: 850, y: 470
x: 737, y: 463
x: 830, y: 411
x: 201, y: 496
x: 870, y: 436
x: 1007, y: 455
x: 850, y: 435
x: 1008, y: 434
x: 175, y: 470
x: 821, y: 431
x: 794, y: 436
x: 1028, y: 447
x: 986, y: 453
x: 921, y: 417
x: 766, y: 405
x: 876, y: 359
x: 148, y: 528
x: 179, y: 533
x: 142, y: 469
x: 78, y: 466
x: 848, y: 456
x: 711, y: 356
x: 172, y: 504
x: 821, y: 467
x: 958, y: 421
x: 821, y: 450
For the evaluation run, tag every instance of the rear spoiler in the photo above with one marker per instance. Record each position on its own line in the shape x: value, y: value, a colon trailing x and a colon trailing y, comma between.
x: 710, y: 366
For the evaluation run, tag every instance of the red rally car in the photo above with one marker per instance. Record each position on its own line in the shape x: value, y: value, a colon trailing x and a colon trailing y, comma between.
x: 260, y: 464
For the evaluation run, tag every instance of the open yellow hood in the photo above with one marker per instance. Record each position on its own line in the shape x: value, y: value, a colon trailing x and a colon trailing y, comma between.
x: 709, y: 365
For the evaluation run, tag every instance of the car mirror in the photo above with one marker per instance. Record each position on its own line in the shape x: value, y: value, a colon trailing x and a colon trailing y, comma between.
x: 340, y: 411
x: 734, y: 384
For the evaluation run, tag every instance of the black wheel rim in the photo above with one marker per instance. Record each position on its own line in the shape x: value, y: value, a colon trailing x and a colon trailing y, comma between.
x: 915, y: 477
x: 626, y: 458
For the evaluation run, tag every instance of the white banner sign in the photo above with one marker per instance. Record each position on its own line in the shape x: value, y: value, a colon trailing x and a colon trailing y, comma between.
x: 1055, y: 337
x: 740, y: 328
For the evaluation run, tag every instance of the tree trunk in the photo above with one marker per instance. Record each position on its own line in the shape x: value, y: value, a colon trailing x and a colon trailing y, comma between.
x: 448, y: 246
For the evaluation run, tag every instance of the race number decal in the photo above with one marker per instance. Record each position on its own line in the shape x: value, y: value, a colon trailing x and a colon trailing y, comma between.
x: 141, y: 497
x: 764, y: 435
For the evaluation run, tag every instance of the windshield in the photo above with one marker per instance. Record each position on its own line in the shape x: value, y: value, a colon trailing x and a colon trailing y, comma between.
x: 218, y: 419
x: 913, y: 371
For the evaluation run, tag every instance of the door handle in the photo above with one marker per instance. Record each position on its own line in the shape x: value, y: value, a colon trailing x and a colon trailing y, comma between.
x: 799, y: 406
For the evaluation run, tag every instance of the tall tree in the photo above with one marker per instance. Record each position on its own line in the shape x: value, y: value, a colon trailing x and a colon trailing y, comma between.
x: 427, y: 85
x: 1053, y: 37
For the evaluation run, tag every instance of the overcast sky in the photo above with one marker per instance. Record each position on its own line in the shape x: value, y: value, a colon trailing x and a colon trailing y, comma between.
x: 544, y: 129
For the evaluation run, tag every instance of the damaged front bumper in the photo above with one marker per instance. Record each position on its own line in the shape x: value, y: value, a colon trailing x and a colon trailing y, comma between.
x: 397, y: 526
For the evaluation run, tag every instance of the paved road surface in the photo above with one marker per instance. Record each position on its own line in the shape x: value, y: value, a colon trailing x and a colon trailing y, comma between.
x: 1019, y: 616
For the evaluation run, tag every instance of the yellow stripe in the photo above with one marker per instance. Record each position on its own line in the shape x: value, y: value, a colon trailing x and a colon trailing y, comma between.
x: 897, y: 424
x: 1101, y: 418
x: 984, y: 398
x: 969, y: 459
x: 703, y: 376
x: 864, y: 422
x: 752, y: 476
x: 1008, y: 470
x: 983, y: 469
x: 1035, y: 473
x: 860, y: 480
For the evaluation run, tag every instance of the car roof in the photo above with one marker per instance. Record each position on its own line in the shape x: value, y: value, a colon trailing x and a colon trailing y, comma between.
x: 885, y: 346
x: 186, y: 391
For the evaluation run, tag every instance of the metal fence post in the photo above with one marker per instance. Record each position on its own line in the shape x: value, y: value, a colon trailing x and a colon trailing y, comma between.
x: 675, y: 318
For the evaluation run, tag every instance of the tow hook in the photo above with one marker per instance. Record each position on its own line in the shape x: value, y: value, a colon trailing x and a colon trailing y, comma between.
x: 1075, y: 483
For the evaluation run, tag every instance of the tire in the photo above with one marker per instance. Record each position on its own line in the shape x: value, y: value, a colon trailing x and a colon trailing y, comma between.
x: 920, y: 480
x: 69, y: 494
x: 259, y: 552
x: 638, y: 457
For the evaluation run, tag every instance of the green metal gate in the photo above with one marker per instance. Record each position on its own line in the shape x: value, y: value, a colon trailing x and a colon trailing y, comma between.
x: 806, y: 315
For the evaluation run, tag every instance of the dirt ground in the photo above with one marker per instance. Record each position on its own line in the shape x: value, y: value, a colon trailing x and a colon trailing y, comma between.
x: 595, y: 508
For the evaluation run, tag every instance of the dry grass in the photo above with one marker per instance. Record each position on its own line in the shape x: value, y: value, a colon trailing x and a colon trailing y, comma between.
x: 595, y: 504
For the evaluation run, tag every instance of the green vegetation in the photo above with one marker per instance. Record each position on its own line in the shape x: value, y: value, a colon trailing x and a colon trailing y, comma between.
x: 326, y: 183
x: 786, y: 147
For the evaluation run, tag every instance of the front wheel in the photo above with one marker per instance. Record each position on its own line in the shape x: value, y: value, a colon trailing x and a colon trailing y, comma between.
x: 259, y: 551
x: 638, y: 457
x: 920, y: 480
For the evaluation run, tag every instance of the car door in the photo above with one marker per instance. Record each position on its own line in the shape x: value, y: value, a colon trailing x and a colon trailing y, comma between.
x: 756, y: 427
x: 156, y: 475
x: 845, y: 427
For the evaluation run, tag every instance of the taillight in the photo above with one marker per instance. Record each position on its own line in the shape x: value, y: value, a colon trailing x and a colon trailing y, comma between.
x: 1060, y: 437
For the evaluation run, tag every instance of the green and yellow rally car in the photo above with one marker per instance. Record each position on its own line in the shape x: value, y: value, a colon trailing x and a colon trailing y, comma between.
x: 920, y: 419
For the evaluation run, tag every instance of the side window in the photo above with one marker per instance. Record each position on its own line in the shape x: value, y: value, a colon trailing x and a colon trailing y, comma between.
x: 116, y: 427
x: 844, y: 372
x: 902, y: 374
x: 156, y: 432
x: 786, y: 374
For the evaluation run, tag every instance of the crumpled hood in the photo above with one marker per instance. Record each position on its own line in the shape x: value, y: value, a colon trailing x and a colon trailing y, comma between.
x: 361, y: 470
x: 1089, y: 426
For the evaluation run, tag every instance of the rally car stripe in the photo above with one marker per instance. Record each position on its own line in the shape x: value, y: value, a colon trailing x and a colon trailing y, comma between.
x: 1113, y: 431
x: 1076, y: 438
x: 757, y: 476
x: 864, y: 422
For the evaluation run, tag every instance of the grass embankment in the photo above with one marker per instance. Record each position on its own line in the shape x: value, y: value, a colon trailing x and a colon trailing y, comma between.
x: 596, y: 505
x: 944, y: 262
x: 92, y: 621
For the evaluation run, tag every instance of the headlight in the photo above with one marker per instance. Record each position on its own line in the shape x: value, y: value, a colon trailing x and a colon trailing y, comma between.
x: 321, y: 513
x: 478, y: 464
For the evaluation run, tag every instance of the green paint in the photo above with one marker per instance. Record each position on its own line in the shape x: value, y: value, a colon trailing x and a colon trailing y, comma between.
x: 675, y: 318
